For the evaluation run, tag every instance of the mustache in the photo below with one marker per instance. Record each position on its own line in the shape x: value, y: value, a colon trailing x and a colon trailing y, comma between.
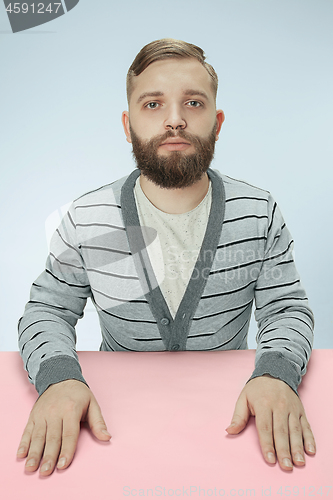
x: 182, y: 134
x: 177, y: 133
x: 155, y: 141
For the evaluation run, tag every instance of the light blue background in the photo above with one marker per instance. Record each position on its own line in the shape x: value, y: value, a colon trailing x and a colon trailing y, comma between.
x: 63, y: 90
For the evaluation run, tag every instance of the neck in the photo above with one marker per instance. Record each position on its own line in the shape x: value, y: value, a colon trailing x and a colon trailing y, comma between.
x: 175, y: 201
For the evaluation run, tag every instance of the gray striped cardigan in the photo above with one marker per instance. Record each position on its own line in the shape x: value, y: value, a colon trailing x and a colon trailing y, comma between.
x: 98, y: 251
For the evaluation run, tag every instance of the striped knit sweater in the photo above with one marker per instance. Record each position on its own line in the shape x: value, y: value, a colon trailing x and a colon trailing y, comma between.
x: 98, y: 251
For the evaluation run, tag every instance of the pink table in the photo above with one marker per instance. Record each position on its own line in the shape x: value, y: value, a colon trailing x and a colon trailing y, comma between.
x: 167, y: 413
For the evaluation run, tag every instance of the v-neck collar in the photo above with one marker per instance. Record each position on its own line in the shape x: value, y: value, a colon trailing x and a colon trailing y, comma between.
x: 173, y: 330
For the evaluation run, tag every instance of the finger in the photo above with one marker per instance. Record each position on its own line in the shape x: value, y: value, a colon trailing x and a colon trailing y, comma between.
x: 24, y: 445
x: 70, y: 436
x: 281, y: 439
x: 296, y: 440
x: 308, y: 438
x: 52, y: 447
x: 264, y: 424
x: 96, y: 421
x: 240, y: 417
x: 36, y: 446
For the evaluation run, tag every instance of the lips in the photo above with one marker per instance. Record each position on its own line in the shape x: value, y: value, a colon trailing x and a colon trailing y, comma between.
x: 175, y: 140
x: 175, y: 144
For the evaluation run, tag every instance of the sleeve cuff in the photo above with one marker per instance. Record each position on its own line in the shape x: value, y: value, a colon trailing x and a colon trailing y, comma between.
x: 276, y: 365
x: 57, y: 369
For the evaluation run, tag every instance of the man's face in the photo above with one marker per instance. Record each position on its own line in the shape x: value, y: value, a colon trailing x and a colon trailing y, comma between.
x: 172, y: 122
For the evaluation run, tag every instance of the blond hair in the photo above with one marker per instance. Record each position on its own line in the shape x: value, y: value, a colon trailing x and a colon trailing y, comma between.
x: 164, y: 49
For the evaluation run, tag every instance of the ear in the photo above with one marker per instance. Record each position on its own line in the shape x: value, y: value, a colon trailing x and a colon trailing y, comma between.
x: 219, y: 119
x: 125, y: 122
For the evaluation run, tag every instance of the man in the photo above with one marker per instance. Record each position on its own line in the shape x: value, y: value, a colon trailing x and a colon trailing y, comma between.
x: 172, y: 256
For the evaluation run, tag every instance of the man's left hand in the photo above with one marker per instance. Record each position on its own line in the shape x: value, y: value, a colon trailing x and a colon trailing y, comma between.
x: 281, y: 423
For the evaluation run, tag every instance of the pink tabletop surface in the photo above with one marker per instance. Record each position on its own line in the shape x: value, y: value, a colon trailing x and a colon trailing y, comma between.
x: 167, y: 413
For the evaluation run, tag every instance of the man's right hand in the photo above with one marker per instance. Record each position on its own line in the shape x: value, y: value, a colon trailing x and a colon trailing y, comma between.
x: 53, y: 428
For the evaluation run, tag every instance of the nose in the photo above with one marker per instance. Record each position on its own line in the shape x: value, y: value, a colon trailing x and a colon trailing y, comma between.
x: 175, y: 119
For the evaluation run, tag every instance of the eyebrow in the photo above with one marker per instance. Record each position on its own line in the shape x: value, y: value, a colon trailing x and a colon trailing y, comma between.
x: 149, y: 94
x: 193, y: 92
x: 187, y: 92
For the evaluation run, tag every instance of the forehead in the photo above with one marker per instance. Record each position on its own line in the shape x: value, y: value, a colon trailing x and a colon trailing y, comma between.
x: 172, y: 76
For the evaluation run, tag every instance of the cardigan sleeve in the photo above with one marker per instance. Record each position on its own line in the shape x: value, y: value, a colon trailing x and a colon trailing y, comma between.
x: 58, y: 296
x: 285, y: 320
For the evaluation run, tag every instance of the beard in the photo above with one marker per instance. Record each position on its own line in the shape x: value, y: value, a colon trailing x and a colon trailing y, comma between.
x: 176, y: 169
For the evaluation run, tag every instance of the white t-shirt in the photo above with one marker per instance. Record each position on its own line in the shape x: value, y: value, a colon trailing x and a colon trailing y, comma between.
x: 174, y: 252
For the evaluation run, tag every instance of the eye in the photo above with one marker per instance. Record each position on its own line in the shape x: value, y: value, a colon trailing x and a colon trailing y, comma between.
x: 151, y: 105
x: 194, y: 104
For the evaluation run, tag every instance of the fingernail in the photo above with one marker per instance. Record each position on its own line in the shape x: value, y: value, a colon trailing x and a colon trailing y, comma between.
x: 20, y: 450
x: 311, y: 448
x: 287, y: 462
x: 271, y: 457
x: 61, y: 462
x: 31, y: 463
x: 45, y: 467
x: 299, y: 457
x: 106, y: 433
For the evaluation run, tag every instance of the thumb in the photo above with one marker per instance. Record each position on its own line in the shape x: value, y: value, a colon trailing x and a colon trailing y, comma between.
x: 96, y: 421
x: 240, y: 417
